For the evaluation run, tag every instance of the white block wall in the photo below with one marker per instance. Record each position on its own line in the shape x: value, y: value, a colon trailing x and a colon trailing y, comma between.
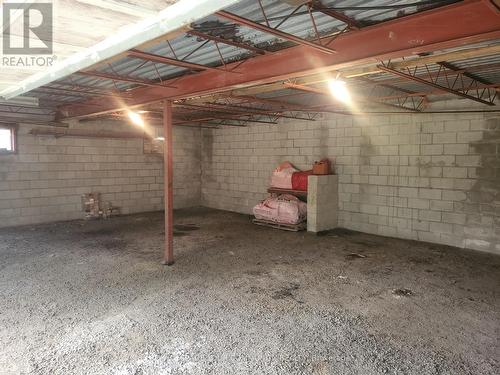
x: 426, y: 177
x: 45, y: 180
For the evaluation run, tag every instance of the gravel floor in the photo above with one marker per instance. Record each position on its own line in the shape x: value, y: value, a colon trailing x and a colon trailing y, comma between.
x: 93, y: 298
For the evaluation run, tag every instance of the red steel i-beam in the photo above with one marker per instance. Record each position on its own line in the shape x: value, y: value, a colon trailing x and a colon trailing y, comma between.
x: 217, y: 39
x: 114, y: 77
x: 352, y: 23
x: 168, y: 257
x: 167, y: 60
x: 269, y: 30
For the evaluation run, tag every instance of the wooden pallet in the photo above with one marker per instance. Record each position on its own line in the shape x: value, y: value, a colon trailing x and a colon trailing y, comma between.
x: 289, y: 227
x: 297, y: 193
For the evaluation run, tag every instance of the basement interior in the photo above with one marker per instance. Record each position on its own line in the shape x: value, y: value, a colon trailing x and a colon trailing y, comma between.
x: 250, y: 187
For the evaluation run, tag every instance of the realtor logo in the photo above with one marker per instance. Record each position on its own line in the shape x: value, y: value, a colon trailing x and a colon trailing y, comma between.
x: 27, y: 28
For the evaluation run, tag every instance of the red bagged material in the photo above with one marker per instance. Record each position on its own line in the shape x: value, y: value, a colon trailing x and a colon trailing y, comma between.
x: 299, y: 180
x: 283, y: 209
x: 282, y: 176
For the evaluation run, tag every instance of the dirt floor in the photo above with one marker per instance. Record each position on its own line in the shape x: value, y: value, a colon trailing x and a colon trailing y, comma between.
x: 93, y: 298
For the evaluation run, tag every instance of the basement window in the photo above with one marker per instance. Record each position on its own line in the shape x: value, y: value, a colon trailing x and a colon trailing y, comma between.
x: 7, y: 139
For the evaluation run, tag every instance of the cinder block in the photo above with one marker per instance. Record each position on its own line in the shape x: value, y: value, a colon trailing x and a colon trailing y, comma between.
x: 442, y: 205
x: 429, y: 193
x: 454, y: 172
x: 434, y: 149
x: 444, y: 138
x: 454, y: 195
x: 456, y: 149
x: 409, y: 150
x: 428, y: 215
x: 467, y: 137
x: 418, y: 203
x: 454, y: 218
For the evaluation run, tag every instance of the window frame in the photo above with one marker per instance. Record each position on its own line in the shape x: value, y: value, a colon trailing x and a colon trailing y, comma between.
x: 13, y: 138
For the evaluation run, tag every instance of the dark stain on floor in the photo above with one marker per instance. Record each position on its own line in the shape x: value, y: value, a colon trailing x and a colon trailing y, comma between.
x: 286, y: 291
x: 186, y: 227
x: 402, y: 292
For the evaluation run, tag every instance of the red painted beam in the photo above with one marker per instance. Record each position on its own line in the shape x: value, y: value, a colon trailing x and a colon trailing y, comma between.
x: 167, y: 60
x: 81, y: 93
x: 266, y: 29
x: 114, y: 77
x: 168, y: 175
x: 217, y: 107
x: 222, y: 117
x: 352, y: 23
x: 430, y: 30
x: 272, y: 102
x: 228, y: 42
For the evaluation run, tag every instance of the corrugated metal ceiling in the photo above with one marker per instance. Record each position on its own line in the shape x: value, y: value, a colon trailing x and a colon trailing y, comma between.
x: 203, y: 52
x: 207, y: 54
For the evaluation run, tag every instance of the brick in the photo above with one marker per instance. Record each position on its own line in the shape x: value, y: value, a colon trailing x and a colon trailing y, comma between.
x: 454, y: 172
x: 429, y: 171
x: 429, y: 193
x: 442, y: 205
x: 467, y: 137
x: 441, y: 183
x: 443, y: 160
x: 433, y: 127
x: 378, y: 180
x: 468, y: 161
x: 456, y: 149
x: 444, y: 138
x: 454, y: 218
x: 457, y: 126
x: 418, y: 203
x: 379, y: 140
x: 429, y: 215
x: 454, y: 195
x: 379, y: 160
x: 408, y: 192
x: 432, y: 149
x: 409, y: 150
x: 401, y: 139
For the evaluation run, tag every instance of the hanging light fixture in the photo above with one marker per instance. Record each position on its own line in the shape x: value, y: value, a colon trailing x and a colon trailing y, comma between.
x: 339, y: 90
x: 136, y: 118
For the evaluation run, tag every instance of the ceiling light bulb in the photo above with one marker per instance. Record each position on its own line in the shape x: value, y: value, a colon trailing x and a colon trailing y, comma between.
x: 136, y: 118
x: 339, y: 90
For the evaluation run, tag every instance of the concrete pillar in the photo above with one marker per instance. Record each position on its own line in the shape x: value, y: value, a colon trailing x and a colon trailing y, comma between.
x: 322, y: 203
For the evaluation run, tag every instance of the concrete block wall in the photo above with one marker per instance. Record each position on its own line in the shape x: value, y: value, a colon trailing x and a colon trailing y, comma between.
x: 428, y: 177
x: 44, y: 181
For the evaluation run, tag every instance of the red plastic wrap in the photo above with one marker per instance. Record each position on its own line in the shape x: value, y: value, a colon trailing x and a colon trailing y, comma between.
x: 299, y: 180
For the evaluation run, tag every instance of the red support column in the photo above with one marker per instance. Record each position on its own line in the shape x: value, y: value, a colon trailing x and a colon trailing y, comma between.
x: 168, y: 258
